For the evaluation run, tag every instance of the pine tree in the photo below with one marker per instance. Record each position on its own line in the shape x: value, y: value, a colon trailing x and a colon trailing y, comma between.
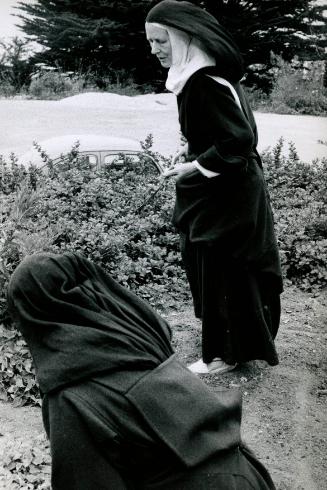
x: 96, y: 35
x: 100, y: 35
x: 263, y: 27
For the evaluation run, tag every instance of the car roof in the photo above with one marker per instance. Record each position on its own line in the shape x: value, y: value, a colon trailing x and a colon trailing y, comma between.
x: 54, y: 147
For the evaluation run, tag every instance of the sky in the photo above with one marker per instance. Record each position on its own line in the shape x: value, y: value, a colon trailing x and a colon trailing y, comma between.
x: 8, y: 21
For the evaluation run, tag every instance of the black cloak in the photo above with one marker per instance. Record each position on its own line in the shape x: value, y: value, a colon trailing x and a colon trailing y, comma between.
x: 120, y: 410
x: 78, y: 321
x: 201, y: 25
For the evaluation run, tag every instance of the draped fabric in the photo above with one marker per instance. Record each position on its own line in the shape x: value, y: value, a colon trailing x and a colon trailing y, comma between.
x: 165, y: 430
x: 78, y: 321
x: 233, y: 209
x: 229, y: 247
x: 237, y: 301
x: 232, y: 212
x: 201, y: 25
x: 119, y: 409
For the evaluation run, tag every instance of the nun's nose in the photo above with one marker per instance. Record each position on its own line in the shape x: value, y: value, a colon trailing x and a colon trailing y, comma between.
x: 155, y: 48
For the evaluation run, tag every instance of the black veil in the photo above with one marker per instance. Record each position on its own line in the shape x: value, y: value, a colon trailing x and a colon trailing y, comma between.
x: 78, y: 321
x: 201, y: 25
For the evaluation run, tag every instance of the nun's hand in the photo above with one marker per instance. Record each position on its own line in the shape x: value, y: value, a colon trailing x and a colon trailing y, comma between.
x: 182, y: 153
x: 179, y: 169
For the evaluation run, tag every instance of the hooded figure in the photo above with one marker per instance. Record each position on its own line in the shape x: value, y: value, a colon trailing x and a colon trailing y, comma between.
x: 201, y: 27
x: 222, y: 207
x: 115, y: 400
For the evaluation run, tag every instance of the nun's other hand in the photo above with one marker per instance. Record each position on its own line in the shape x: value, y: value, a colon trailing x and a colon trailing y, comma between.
x: 181, y: 154
x: 179, y: 169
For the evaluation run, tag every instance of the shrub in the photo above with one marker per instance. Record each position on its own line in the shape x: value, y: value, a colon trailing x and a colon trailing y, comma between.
x: 258, y: 99
x: 115, y: 81
x: 298, y: 194
x: 295, y: 87
x: 18, y: 383
x: 49, y: 83
x: 15, y: 67
x: 296, y: 91
x: 7, y: 88
x: 26, y: 465
x: 107, y: 215
x: 104, y: 214
x: 78, y: 208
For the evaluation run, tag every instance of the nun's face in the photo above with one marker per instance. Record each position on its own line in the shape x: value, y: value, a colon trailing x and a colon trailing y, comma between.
x: 160, y: 44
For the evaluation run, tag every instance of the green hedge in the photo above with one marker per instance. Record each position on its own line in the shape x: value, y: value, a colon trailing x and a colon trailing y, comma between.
x: 299, y: 199
x: 105, y: 215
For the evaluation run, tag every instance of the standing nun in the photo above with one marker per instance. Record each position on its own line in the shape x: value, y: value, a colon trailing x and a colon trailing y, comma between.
x: 115, y: 400
x: 222, y: 208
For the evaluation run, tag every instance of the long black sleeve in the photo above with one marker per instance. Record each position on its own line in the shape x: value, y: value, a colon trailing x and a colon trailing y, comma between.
x: 220, y: 136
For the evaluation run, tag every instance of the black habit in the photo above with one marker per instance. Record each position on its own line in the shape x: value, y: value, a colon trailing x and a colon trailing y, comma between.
x: 120, y: 410
x: 226, y: 225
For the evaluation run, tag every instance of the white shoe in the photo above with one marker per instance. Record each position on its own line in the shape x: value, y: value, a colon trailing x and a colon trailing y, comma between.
x: 199, y: 367
x: 217, y: 366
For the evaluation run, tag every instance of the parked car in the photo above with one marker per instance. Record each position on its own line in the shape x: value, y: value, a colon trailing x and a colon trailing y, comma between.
x: 99, y: 149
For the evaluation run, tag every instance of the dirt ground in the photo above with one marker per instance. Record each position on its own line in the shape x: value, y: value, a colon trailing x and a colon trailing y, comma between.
x: 284, y: 407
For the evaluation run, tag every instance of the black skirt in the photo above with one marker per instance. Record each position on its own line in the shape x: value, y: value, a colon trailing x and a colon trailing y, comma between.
x: 239, y: 305
x: 232, y: 262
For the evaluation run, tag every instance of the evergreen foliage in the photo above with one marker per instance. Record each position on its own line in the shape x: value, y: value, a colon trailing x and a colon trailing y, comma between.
x: 103, y: 34
x: 15, y: 69
x: 279, y: 26
x: 95, y: 36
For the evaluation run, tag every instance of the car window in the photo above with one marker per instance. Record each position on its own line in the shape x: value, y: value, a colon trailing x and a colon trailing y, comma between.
x: 93, y: 159
x: 141, y: 161
x: 118, y: 158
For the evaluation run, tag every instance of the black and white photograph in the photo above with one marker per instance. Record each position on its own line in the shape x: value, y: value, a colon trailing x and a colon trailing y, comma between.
x: 163, y: 245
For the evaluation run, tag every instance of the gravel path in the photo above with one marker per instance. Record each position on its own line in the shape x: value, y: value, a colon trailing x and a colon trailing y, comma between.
x: 135, y: 117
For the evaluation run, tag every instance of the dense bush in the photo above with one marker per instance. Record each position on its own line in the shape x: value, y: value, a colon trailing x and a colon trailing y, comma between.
x: 107, y: 215
x: 297, y: 88
x: 103, y: 214
x: 299, y: 199
x: 15, y: 67
x: 297, y: 92
x: 258, y: 99
x: 95, y: 212
x: 7, y: 89
x: 49, y: 83
x: 120, y: 82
